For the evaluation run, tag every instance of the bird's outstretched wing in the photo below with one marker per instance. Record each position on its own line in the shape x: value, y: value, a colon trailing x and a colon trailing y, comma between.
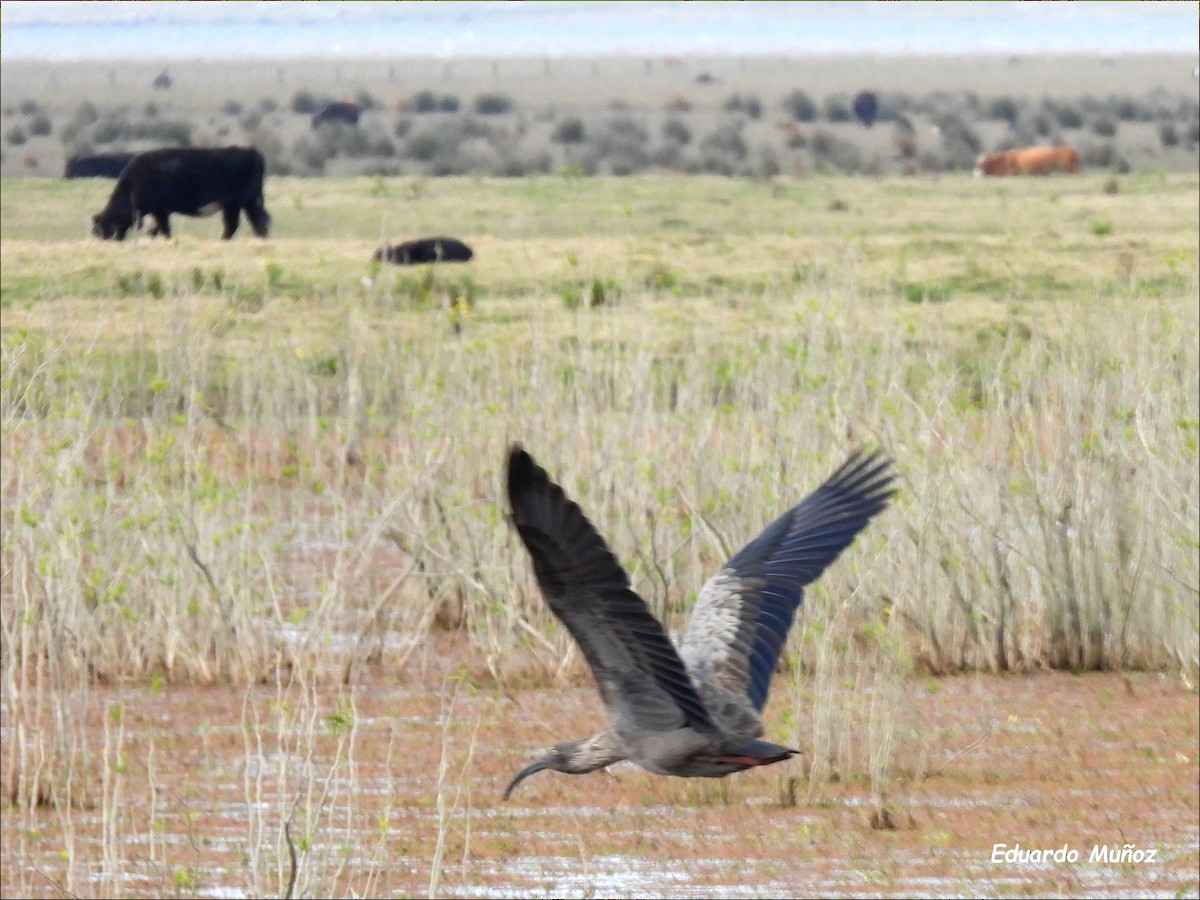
x: 743, y: 613
x: 639, y: 673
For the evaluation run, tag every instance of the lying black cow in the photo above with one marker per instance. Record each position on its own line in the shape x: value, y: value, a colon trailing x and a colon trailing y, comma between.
x: 102, y: 165
x: 424, y: 250
x: 188, y: 180
x: 339, y: 111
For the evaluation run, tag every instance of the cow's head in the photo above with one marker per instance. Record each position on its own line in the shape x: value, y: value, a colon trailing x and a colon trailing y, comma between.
x: 109, y: 226
x: 991, y: 164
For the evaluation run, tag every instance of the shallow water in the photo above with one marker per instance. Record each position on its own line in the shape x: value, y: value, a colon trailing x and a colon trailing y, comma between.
x: 202, y: 813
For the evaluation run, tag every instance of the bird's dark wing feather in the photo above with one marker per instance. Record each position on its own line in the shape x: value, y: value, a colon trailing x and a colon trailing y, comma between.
x: 638, y: 670
x: 743, y: 613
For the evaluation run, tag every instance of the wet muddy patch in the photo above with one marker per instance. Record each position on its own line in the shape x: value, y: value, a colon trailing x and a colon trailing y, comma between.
x: 391, y: 786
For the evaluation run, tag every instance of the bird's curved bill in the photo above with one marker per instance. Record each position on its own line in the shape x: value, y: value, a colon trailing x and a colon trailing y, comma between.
x: 536, y: 766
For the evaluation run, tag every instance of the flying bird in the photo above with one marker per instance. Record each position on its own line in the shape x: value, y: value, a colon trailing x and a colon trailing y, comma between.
x: 695, y: 711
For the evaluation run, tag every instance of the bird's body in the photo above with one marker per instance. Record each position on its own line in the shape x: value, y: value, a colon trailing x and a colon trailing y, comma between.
x: 695, y: 711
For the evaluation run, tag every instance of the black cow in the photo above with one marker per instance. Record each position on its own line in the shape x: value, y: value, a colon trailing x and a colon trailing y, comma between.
x: 339, y: 111
x: 102, y: 165
x: 188, y: 180
x: 424, y: 250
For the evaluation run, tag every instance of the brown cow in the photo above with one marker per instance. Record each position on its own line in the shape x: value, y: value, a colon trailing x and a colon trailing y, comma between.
x: 992, y: 164
x: 1028, y: 161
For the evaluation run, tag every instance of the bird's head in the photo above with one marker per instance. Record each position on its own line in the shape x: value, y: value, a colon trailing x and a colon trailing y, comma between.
x: 571, y: 757
x: 551, y: 758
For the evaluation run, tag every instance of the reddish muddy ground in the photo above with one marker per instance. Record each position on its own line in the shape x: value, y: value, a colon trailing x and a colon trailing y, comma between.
x: 206, y: 776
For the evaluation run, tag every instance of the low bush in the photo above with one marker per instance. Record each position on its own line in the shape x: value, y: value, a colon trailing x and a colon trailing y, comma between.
x: 306, y: 103
x: 837, y: 109
x: 493, y: 104
x: 836, y: 153
x: 748, y: 105
x: 568, y: 131
x: 1004, y: 109
x: 723, y: 151
x: 960, y: 143
x: 800, y: 106
x: 1065, y: 112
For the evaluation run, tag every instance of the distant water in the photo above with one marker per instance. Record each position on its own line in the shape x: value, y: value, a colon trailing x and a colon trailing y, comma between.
x: 108, y: 30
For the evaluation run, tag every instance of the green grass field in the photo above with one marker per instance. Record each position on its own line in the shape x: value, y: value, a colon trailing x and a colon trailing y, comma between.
x: 221, y: 458
x: 683, y: 348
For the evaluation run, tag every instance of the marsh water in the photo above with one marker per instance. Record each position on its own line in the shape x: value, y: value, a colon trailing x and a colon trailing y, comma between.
x: 392, y: 787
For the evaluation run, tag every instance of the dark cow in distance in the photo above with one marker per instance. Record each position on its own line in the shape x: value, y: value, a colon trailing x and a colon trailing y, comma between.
x: 424, y: 250
x: 339, y: 111
x: 102, y: 165
x: 189, y: 180
x: 866, y: 107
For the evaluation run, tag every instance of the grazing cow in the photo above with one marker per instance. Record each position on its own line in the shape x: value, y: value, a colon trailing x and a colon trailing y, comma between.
x: 102, y: 165
x: 1028, y: 161
x: 424, y: 250
x: 339, y: 111
x: 189, y: 180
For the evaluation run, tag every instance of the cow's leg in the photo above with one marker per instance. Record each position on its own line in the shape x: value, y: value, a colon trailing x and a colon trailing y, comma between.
x: 162, y: 223
x: 260, y: 219
x: 230, y: 214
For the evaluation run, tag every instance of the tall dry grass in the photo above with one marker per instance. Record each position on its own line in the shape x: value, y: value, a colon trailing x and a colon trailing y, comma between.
x: 184, y: 513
